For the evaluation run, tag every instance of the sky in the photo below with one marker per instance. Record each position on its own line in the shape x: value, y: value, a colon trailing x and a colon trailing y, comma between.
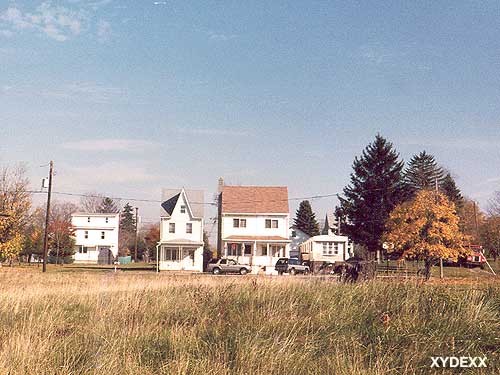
x: 127, y: 97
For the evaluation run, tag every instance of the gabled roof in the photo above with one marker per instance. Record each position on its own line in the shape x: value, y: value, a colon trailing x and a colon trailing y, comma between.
x: 255, y: 199
x: 194, y: 198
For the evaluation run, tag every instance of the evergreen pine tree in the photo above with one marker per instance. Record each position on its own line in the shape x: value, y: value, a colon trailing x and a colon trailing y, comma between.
x: 422, y: 173
x: 108, y: 205
x: 127, y: 221
x: 305, y: 219
x: 449, y: 188
x: 375, y: 189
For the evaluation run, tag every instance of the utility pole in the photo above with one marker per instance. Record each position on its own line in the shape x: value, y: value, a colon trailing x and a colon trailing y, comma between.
x: 475, y: 220
x: 136, y: 232
x: 441, y: 274
x: 47, y: 217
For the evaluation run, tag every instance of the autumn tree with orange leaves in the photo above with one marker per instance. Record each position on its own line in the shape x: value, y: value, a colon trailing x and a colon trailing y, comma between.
x: 425, y: 228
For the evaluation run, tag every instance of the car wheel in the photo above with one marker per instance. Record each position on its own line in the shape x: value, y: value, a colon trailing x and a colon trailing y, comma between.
x: 243, y: 271
x: 216, y: 271
x: 280, y: 273
x: 293, y: 272
x: 306, y: 272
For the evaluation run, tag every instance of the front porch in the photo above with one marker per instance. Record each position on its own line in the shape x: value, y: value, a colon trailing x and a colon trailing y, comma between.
x: 261, y: 255
x: 181, y: 257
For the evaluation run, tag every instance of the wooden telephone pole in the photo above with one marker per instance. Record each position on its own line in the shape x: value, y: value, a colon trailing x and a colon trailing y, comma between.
x: 136, y: 233
x: 47, y: 218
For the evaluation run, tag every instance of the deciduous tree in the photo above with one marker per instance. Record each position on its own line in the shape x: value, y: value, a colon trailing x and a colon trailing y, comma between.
x: 425, y: 228
x: 15, y: 202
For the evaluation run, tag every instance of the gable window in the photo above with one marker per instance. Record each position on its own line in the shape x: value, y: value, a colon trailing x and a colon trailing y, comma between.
x: 239, y: 223
x: 294, y: 233
x: 183, y: 209
x: 103, y: 235
x: 171, y: 228
x: 189, y: 228
x: 86, y: 234
x: 88, y: 219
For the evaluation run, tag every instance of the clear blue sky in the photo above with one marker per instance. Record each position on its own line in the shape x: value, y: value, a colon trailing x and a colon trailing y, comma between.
x: 130, y: 96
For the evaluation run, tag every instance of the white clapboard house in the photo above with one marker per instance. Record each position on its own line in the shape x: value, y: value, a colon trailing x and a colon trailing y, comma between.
x: 254, y: 224
x: 181, y: 230
x: 96, y: 237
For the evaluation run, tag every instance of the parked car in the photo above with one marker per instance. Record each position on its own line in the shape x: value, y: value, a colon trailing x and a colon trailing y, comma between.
x: 223, y: 265
x: 291, y: 266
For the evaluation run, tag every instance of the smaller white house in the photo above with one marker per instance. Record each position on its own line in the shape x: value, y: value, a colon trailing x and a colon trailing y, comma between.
x: 181, y: 230
x: 325, y: 249
x: 297, y: 237
x: 96, y: 236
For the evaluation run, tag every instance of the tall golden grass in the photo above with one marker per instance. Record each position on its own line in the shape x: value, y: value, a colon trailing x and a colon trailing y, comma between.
x: 106, y: 323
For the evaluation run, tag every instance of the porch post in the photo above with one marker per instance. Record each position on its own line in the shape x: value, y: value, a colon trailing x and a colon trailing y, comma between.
x: 269, y: 255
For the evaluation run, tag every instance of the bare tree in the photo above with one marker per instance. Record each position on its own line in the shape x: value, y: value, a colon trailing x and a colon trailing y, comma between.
x: 493, y: 208
x: 97, y: 203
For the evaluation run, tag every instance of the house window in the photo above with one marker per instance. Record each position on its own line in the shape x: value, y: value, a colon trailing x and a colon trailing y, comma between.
x: 171, y: 228
x: 239, y: 223
x: 107, y: 220
x: 294, y: 233
x: 171, y: 253
x: 271, y: 223
x: 189, y: 228
x: 86, y: 234
x: 103, y: 235
x: 88, y: 219
x: 183, y: 209
x: 248, y: 249
x: 275, y: 250
x: 264, y: 250
x: 85, y: 250
x: 336, y: 248
x: 234, y: 249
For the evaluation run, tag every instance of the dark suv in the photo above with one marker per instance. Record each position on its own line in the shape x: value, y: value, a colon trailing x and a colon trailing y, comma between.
x: 291, y: 266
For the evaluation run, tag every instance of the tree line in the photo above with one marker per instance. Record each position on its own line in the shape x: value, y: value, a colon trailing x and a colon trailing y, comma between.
x: 416, y: 211
x: 22, y: 225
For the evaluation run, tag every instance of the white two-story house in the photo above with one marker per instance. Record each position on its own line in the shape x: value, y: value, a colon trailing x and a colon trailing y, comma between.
x: 254, y: 224
x: 96, y: 237
x: 181, y: 230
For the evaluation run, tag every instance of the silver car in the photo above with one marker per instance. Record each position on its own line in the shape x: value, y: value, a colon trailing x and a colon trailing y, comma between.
x: 218, y: 266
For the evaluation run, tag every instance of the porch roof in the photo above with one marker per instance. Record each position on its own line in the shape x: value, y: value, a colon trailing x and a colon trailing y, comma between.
x: 257, y: 238
x: 181, y: 241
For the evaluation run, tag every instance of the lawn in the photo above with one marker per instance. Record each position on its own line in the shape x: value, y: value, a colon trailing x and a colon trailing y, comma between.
x: 142, y: 323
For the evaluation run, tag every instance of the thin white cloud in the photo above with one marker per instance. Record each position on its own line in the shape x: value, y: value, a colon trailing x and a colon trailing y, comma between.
x: 84, y: 91
x: 60, y: 23
x: 212, y: 131
x: 220, y: 36
x: 131, y: 145
x: 56, y: 22
x: 104, y: 31
x: 6, y: 33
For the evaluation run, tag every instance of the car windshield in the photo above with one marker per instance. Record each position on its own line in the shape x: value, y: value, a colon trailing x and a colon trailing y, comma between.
x: 215, y: 260
x: 281, y: 261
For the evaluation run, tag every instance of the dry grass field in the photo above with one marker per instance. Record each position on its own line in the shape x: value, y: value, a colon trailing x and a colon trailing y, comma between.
x: 143, y: 323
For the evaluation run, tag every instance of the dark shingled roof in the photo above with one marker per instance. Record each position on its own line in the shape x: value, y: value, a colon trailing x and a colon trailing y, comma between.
x: 170, y: 197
